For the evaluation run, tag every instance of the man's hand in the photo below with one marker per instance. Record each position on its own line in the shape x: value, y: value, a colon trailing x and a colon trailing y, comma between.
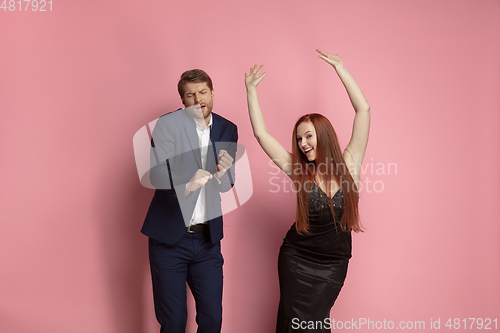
x: 224, y: 163
x: 199, y: 179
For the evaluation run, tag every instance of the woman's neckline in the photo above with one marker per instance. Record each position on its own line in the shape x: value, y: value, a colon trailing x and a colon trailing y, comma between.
x: 340, y: 188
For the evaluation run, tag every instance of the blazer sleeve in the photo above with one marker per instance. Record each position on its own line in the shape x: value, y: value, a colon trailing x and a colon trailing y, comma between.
x: 162, y: 149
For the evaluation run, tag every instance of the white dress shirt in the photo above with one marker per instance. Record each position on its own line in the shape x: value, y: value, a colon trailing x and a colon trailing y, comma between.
x: 200, y: 212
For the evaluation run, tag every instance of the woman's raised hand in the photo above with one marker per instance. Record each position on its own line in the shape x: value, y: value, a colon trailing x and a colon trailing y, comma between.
x: 253, y: 78
x: 332, y: 59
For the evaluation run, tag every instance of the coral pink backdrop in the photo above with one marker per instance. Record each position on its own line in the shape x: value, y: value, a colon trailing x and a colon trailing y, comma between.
x: 77, y: 82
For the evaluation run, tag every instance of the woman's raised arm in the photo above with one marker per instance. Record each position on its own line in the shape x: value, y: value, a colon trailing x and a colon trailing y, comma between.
x: 355, y: 149
x: 280, y: 156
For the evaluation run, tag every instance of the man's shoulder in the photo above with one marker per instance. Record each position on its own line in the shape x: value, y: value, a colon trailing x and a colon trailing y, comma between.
x: 173, y: 114
x: 170, y: 121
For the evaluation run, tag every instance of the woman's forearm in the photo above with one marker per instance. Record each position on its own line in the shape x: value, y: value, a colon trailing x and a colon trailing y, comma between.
x: 256, y: 118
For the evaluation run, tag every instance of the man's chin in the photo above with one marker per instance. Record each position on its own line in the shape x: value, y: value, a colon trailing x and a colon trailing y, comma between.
x: 207, y: 113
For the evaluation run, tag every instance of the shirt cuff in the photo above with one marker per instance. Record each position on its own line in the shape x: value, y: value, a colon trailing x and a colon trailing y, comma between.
x: 220, y: 180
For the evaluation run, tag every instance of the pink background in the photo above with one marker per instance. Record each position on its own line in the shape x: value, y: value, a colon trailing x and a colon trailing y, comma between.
x: 78, y: 82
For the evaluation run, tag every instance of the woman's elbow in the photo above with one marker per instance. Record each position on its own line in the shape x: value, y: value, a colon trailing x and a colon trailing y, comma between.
x: 363, y: 108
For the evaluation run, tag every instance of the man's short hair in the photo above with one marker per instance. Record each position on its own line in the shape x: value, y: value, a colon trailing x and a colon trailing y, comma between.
x: 193, y: 75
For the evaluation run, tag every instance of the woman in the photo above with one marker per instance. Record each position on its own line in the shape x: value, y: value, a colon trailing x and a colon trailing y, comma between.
x: 313, y: 259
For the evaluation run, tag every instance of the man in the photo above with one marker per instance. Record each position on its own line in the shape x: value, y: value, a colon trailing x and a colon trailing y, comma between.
x: 192, y: 162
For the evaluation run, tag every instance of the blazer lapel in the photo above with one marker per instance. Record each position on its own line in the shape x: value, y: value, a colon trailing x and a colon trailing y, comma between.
x: 214, y: 138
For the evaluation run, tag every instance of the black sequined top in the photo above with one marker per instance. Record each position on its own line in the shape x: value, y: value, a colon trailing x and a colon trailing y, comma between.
x: 325, y: 239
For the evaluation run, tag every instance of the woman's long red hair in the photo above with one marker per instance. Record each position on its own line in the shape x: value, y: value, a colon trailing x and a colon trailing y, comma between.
x: 328, y: 166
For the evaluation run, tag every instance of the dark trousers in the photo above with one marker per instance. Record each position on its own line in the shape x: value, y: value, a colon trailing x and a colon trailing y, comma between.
x: 198, y: 262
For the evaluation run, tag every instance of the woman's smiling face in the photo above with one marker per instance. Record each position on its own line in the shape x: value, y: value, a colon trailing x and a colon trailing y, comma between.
x: 306, y: 139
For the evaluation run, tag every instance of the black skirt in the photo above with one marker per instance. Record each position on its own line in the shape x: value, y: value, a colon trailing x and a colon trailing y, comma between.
x: 308, y: 289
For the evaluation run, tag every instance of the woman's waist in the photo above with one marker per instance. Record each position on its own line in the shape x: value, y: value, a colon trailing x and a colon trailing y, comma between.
x: 318, y: 251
